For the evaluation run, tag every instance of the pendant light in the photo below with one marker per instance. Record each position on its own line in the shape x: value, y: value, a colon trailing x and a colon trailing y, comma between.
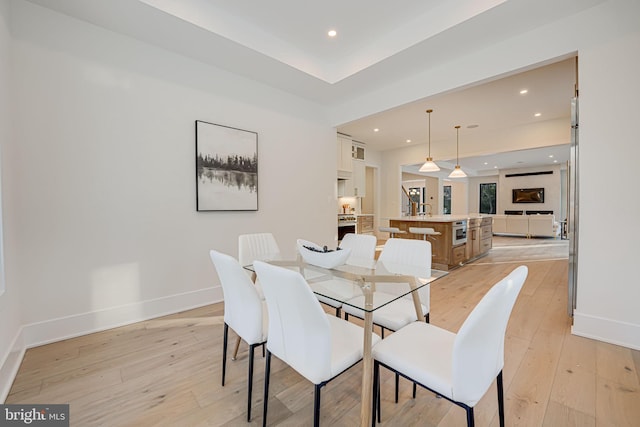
x: 429, y: 165
x: 457, y: 172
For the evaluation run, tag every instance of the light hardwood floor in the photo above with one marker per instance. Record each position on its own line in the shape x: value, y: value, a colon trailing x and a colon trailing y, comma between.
x: 167, y: 371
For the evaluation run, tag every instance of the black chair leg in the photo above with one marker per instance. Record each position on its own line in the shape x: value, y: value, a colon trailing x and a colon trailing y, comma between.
x: 470, y: 420
x: 267, y: 371
x: 381, y: 332
x: 263, y: 346
x: 414, y: 390
x: 224, y: 352
x: 316, y: 405
x: 500, y: 399
x: 397, y: 385
x: 252, y: 348
x: 376, y: 394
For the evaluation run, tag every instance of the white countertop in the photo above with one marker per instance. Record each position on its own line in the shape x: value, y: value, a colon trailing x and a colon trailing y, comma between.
x: 437, y: 218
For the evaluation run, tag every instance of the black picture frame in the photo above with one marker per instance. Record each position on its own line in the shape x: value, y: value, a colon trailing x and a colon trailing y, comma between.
x: 226, y: 168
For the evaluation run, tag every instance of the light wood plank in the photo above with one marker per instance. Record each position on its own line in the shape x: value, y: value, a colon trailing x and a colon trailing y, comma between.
x: 616, y: 404
x: 560, y: 415
x: 167, y: 371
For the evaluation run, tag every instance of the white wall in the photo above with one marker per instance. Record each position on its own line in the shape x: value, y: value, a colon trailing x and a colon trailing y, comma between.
x: 103, y: 155
x: 459, y: 196
x: 607, y: 39
x: 11, y: 346
x: 608, y: 292
x: 551, y: 183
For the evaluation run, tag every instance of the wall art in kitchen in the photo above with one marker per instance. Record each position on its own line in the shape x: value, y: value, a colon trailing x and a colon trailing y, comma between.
x: 226, y: 168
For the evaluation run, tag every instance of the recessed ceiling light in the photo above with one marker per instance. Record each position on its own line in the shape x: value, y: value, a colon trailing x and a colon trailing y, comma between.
x: 495, y: 167
x: 555, y: 161
x: 523, y: 91
x: 332, y: 33
x: 376, y: 130
x: 551, y: 156
x: 486, y: 163
x: 537, y: 114
x: 408, y: 141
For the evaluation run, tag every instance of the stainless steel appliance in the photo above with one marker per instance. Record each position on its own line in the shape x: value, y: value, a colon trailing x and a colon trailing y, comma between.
x: 346, y: 224
x: 459, y: 232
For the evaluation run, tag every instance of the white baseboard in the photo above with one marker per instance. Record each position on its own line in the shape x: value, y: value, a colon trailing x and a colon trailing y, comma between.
x: 11, y: 364
x: 62, y: 328
x: 48, y: 331
x: 607, y: 330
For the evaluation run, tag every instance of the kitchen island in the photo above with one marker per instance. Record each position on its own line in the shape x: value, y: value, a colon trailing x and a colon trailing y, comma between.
x: 462, y: 237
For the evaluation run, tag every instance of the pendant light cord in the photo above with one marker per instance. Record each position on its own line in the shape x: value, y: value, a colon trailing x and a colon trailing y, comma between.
x: 429, y: 115
x: 458, y: 145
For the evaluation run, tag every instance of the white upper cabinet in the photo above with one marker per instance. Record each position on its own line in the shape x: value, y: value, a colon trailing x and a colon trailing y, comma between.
x: 345, y: 168
x: 359, y: 178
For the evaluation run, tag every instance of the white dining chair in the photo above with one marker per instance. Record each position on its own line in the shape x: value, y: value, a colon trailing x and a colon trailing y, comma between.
x: 317, y: 345
x: 257, y: 246
x: 363, y: 250
x: 244, y: 312
x: 406, y: 256
x: 251, y: 247
x: 459, y: 367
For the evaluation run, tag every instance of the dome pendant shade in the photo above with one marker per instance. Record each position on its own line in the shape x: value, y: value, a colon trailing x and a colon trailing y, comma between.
x: 457, y: 171
x: 429, y: 164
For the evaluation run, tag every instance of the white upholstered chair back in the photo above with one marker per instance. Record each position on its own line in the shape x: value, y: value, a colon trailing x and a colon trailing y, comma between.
x: 363, y: 249
x: 299, y: 331
x: 257, y: 246
x: 406, y: 256
x: 242, y: 304
x: 478, y: 350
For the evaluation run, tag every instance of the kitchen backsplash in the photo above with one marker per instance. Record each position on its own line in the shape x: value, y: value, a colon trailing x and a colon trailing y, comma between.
x: 352, y: 204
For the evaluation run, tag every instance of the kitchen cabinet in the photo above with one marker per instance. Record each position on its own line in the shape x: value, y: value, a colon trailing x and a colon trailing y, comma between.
x: 357, y: 151
x: 445, y: 253
x: 359, y: 178
x: 479, y: 237
x: 442, y: 255
x: 345, y: 164
x: 473, y: 238
x: 356, y: 186
x: 457, y: 255
x: 364, y: 224
x: 486, y: 235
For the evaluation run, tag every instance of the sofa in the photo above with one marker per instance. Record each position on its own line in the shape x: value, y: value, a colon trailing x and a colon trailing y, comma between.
x: 526, y: 225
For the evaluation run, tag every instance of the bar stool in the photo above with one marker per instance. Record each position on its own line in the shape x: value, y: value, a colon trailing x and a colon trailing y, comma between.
x: 392, y: 231
x: 426, y: 232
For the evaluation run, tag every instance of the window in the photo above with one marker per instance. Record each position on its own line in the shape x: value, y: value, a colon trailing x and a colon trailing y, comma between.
x: 488, y: 198
x: 446, y: 202
x: 417, y: 195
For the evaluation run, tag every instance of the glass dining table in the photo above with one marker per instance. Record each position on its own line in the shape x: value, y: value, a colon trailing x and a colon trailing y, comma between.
x: 355, y: 285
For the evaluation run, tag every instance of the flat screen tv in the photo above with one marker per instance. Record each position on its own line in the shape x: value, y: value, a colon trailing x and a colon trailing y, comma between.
x: 528, y: 195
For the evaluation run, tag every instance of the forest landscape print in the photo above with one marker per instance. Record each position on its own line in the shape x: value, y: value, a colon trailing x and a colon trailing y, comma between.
x: 226, y: 168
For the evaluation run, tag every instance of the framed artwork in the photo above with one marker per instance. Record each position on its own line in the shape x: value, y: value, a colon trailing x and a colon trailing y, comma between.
x: 226, y: 168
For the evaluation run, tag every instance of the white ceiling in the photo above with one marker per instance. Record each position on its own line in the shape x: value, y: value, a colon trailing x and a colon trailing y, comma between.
x: 494, y: 110
x: 284, y: 43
